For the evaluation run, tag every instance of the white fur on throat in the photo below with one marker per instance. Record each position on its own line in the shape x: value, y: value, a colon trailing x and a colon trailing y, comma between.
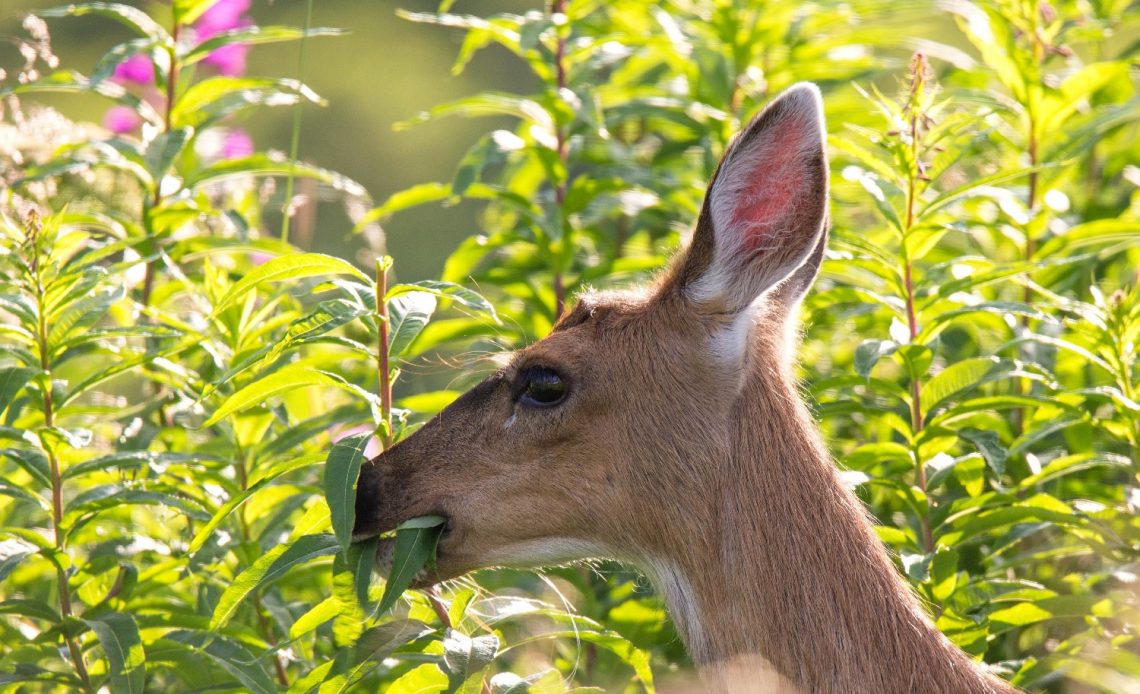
x: 668, y: 579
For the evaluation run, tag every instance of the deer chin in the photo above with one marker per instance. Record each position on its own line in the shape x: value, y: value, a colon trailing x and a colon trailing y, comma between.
x: 452, y: 561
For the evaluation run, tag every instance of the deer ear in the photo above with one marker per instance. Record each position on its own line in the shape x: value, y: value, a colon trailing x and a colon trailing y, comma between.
x: 765, y: 210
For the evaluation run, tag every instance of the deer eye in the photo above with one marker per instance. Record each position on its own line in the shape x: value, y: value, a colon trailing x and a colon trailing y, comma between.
x: 541, y: 387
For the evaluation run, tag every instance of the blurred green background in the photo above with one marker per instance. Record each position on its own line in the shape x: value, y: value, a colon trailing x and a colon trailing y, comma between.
x: 382, y: 71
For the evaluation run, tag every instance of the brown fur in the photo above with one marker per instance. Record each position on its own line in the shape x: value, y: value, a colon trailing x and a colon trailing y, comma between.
x: 704, y: 470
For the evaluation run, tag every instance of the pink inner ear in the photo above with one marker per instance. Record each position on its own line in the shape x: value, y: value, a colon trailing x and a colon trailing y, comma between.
x: 771, y: 177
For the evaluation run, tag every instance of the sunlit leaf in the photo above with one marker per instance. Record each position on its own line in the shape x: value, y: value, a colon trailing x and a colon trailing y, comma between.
x: 119, y: 636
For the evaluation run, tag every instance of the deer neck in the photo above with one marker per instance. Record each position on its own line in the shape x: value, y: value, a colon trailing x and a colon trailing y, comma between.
x: 795, y: 591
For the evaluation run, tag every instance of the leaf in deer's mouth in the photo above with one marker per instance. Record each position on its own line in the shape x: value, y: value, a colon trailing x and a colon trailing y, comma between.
x: 416, y: 540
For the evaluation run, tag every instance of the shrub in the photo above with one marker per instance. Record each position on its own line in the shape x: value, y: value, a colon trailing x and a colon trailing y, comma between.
x: 185, y: 396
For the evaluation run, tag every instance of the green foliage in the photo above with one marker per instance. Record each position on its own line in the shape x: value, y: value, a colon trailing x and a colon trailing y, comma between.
x: 185, y: 400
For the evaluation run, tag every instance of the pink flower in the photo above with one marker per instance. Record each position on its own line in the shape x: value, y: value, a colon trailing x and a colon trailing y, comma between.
x: 137, y: 69
x: 229, y: 59
x: 121, y: 120
x: 225, y: 15
x: 222, y: 16
x: 237, y: 144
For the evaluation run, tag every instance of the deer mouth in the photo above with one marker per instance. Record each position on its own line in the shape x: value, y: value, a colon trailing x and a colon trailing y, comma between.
x: 427, y: 576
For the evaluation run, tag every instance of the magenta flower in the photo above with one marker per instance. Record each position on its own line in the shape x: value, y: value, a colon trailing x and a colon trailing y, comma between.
x: 121, y: 120
x: 237, y: 144
x: 229, y: 60
x: 222, y: 16
x: 137, y: 69
x: 225, y: 15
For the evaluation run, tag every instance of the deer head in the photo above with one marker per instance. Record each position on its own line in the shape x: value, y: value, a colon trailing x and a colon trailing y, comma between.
x: 662, y: 427
x: 630, y: 400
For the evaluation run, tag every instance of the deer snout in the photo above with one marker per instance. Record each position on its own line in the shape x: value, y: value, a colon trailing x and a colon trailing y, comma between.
x: 383, y: 499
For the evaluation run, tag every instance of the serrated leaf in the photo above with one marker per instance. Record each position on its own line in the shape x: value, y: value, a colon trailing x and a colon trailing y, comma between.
x: 119, y: 636
x: 268, y: 568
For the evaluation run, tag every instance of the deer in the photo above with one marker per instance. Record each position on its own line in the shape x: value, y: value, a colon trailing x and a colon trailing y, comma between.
x: 663, y: 427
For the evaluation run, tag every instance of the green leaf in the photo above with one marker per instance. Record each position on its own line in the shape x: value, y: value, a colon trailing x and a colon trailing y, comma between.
x: 612, y: 642
x: 341, y: 472
x: 869, y: 352
x: 944, y: 574
x: 131, y: 17
x: 163, y: 150
x: 266, y: 165
x: 415, y: 547
x: 252, y: 36
x: 289, y: 378
x: 377, y: 643
x: 214, y: 98
x: 989, y: 445
x: 244, y: 495
x: 34, y: 463
x: 37, y: 609
x: 9, y: 563
x: 233, y: 657
x: 12, y: 381
x: 268, y: 568
x: 119, y: 636
x: 425, y: 679
x: 352, y: 578
x: 445, y: 290
x: 186, y: 11
x: 133, y: 460
x: 466, y: 658
x: 328, y: 316
x: 408, y: 314
x: 956, y: 378
x: 287, y: 267
x: 317, y: 615
x: 411, y: 197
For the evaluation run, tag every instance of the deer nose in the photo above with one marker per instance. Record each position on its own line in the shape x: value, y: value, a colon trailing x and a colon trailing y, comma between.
x: 374, y: 507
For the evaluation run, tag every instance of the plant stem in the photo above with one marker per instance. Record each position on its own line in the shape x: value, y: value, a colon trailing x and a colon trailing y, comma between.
x: 1020, y: 385
x: 57, y: 507
x: 438, y: 606
x: 913, y: 176
x: 383, y: 368
x: 562, y: 142
x: 295, y: 137
x: 156, y: 199
x: 258, y: 609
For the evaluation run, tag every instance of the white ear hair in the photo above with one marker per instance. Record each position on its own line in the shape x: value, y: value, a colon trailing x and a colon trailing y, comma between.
x: 767, y: 202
